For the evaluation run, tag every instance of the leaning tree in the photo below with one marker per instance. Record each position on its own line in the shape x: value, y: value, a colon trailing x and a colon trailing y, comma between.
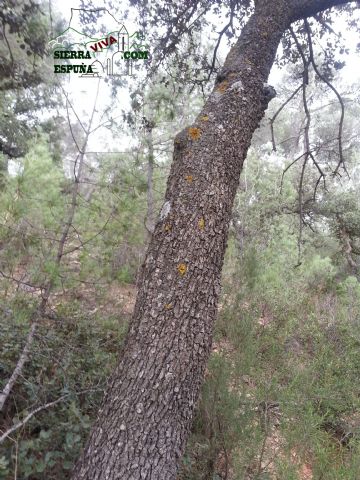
x: 147, y: 410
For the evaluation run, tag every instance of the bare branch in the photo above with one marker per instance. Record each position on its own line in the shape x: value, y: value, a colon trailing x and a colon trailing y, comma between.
x: 306, y: 139
x: 288, y: 167
x: 70, y: 127
x: 308, y: 8
x: 325, y: 25
x: 85, y: 242
x: 18, y: 425
x: 73, y: 109
x: 19, y: 282
x: 221, y: 33
x: 8, y: 46
x: 329, y: 84
x: 272, y: 120
x: 19, y: 366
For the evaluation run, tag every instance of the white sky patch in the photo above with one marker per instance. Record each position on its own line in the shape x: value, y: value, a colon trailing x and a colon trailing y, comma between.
x: 82, y: 90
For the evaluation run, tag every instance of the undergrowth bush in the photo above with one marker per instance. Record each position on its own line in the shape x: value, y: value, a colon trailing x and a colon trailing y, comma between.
x: 72, y: 357
x: 281, y: 398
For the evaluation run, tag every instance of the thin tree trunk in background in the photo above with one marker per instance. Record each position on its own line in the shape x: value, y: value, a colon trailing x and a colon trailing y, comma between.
x: 347, y: 247
x: 19, y: 366
x: 4, y: 165
x: 150, y: 213
x: 147, y: 411
x: 40, y: 311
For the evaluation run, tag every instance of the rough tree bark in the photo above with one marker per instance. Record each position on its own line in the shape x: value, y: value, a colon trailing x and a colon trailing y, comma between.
x: 146, y: 414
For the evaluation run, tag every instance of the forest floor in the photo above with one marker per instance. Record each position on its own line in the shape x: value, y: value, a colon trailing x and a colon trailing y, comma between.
x: 111, y: 299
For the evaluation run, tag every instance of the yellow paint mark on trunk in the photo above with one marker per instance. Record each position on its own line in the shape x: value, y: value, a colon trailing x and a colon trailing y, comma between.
x: 194, y: 133
x: 223, y: 86
x: 201, y: 224
x: 182, y: 268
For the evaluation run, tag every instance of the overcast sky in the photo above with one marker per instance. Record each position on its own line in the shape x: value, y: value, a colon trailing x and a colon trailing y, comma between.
x: 82, y: 91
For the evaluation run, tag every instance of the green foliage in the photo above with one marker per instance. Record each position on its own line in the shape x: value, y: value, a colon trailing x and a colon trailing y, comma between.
x: 293, y: 355
x: 281, y: 393
x: 281, y: 396
x: 26, y: 31
x: 77, y: 342
x: 72, y: 359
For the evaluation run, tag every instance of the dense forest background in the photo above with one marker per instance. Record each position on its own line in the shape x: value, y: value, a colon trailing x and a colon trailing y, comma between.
x: 281, y: 398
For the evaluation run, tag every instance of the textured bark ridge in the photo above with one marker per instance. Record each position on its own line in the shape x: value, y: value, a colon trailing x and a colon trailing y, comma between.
x: 148, y: 407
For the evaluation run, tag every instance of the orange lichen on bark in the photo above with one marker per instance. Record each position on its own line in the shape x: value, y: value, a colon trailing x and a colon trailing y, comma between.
x: 182, y: 268
x: 167, y: 227
x: 189, y: 178
x: 194, y: 133
x: 201, y: 224
x: 168, y: 306
x: 223, y: 86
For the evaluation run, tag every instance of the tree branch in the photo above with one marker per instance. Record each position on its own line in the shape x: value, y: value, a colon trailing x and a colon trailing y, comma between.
x: 19, y: 366
x: 272, y: 120
x: 28, y: 417
x: 18, y: 425
x: 341, y: 102
x: 308, y: 8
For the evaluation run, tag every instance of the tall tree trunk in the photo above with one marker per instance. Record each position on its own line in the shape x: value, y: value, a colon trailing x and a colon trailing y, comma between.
x: 4, y: 165
x: 148, y: 407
